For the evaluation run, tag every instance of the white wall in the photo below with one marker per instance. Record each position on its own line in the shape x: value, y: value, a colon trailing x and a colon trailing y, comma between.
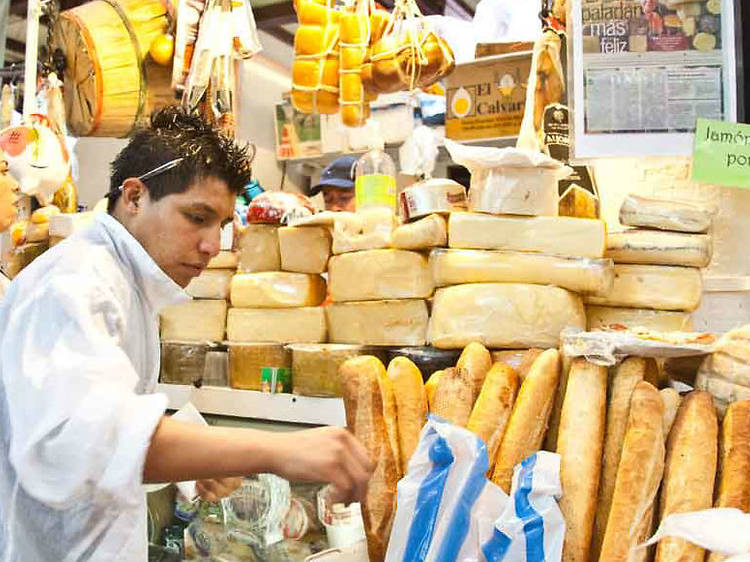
x: 94, y: 157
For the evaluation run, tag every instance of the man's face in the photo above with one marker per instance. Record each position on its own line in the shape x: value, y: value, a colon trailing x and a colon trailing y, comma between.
x: 337, y: 199
x: 8, y: 198
x: 182, y: 231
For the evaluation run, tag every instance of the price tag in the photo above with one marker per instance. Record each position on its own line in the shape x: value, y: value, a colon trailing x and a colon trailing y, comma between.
x: 722, y: 153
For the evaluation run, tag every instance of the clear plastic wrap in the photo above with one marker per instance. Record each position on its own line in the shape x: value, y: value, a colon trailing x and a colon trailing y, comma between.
x: 374, y: 275
x: 211, y: 284
x: 665, y: 215
x: 277, y: 289
x: 580, y: 275
x: 726, y: 373
x: 305, y: 250
x: 659, y: 248
x: 315, y: 367
x: 386, y: 323
x: 423, y: 234
x: 418, y: 154
x: 599, y: 317
x: 246, y: 39
x: 187, y: 363
x: 431, y: 196
x: 278, y: 207
x: 370, y: 229
x: 258, y: 246
x: 503, y: 315
x: 248, y: 361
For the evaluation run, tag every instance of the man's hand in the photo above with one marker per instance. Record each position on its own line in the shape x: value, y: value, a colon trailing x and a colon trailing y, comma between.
x: 327, y: 454
x: 212, y: 490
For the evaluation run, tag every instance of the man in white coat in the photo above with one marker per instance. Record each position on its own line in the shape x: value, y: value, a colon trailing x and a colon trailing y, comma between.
x: 80, y: 428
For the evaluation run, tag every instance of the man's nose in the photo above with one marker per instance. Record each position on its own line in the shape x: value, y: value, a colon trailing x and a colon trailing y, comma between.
x: 211, y: 243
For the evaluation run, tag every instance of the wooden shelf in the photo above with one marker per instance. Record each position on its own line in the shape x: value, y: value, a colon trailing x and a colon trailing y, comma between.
x: 249, y: 404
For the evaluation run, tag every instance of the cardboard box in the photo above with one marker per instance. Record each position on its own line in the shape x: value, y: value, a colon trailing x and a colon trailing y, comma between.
x: 485, y: 98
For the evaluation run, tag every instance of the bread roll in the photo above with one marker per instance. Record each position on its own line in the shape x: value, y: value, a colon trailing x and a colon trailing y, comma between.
x: 454, y: 397
x: 528, y: 421
x: 579, y: 445
x: 734, y: 462
x: 689, y: 472
x: 476, y: 361
x: 411, y: 406
x: 492, y: 409
x: 638, y: 477
x: 361, y: 389
x: 625, y: 377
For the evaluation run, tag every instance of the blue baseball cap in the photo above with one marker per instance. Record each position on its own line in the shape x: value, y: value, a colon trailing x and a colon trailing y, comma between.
x: 339, y: 173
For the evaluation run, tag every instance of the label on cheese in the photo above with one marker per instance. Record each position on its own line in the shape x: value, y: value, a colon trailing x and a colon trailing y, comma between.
x: 211, y: 284
x: 379, y: 275
x: 503, y: 315
x: 659, y: 248
x: 277, y: 289
x: 225, y: 259
x: 258, y: 246
x: 563, y: 236
x: 659, y: 287
x: 395, y: 322
x: 281, y: 325
x: 315, y: 367
x: 194, y: 321
x: 426, y: 233
x: 431, y: 196
x: 581, y: 275
x: 599, y: 317
x: 369, y: 229
x: 248, y: 361
x: 305, y: 249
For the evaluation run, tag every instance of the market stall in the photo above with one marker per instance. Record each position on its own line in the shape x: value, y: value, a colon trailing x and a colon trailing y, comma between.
x: 534, y: 314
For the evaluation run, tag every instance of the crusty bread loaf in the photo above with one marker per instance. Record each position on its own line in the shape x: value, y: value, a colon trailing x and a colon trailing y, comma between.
x: 476, y: 361
x: 391, y: 419
x: 671, y: 399
x: 734, y: 462
x: 550, y: 441
x: 454, y: 397
x: 528, y: 421
x: 579, y: 445
x: 625, y: 377
x: 689, y: 471
x: 492, y: 409
x: 411, y: 406
x: 638, y: 477
x: 360, y: 379
x: 430, y: 387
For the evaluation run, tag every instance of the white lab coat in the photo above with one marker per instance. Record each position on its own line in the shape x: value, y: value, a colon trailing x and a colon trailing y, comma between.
x: 79, y: 359
x: 4, y: 282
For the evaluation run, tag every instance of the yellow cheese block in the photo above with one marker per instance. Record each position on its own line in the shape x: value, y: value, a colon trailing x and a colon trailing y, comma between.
x: 305, y: 249
x: 211, y: 284
x: 394, y: 322
x: 282, y: 325
x: 258, y: 248
x: 659, y: 248
x: 370, y: 229
x: 197, y: 320
x: 225, y: 259
x: 563, y: 236
x: 277, y: 289
x: 658, y: 287
x: 581, y: 275
x: 247, y: 361
x: 379, y: 275
x: 659, y: 320
x: 503, y: 315
x: 315, y: 367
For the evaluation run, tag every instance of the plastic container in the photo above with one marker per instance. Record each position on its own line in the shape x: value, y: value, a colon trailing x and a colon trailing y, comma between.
x: 375, y: 183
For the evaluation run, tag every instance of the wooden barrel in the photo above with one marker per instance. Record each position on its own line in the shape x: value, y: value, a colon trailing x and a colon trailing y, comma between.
x: 110, y: 85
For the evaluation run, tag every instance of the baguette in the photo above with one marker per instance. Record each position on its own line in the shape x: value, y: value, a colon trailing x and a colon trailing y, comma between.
x: 528, y: 421
x: 391, y: 420
x: 430, y: 387
x: 579, y: 445
x: 411, y: 406
x: 734, y: 461
x: 520, y: 359
x: 361, y: 389
x: 689, y: 472
x: 454, y: 397
x: 672, y: 401
x: 625, y: 377
x: 638, y: 477
x: 491, y: 412
x: 550, y: 442
x: 476, y: 361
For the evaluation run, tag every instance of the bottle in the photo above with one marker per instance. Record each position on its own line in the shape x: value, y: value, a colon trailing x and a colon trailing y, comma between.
x: 375, y: 181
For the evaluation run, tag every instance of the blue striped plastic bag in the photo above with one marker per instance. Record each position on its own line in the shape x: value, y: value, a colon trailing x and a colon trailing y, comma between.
x: 449, y: 512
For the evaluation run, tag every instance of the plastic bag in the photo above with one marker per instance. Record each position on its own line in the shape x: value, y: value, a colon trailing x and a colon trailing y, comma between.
x: 448, y: 510
x: 419, y: 153
x: 278, y: 208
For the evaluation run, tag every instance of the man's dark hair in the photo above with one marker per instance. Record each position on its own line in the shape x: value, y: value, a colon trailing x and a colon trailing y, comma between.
x: 173, y: 134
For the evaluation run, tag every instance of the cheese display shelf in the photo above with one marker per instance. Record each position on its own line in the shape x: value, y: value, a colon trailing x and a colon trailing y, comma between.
x: 251, y: 404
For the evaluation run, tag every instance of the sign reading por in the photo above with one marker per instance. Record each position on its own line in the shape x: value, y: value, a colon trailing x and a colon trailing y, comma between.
x: 722, y: 153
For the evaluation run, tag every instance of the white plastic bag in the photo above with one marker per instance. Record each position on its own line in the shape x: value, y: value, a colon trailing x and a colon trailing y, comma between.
x: 419, y: 153
x: 449, y: 512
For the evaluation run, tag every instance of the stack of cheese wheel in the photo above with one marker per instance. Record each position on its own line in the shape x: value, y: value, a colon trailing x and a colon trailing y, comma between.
x: 657, y: 266
x: 191, y: 332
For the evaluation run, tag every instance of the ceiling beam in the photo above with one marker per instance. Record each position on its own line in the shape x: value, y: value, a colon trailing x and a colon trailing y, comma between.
x: 275, y: 15
x: 281, y: 34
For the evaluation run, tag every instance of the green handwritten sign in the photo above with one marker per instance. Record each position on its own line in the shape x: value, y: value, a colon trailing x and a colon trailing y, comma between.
x: 722, y: 153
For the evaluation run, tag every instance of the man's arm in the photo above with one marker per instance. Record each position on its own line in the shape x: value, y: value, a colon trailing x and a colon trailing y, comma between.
x: 182, y: 451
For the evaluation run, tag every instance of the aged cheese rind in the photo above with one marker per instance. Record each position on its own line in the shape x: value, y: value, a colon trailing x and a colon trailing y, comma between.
x: 379, y: 275
x: 581, y: 275
x: 305, y: 249
x: 664, y: 215
x: 503, y: 315
x: 395, y: 322
x: 211, y: 284
x: 659, y: 248
x: 659, y: 320
x: 659, y: 287
x: 195, y: 321
x: 277, y: 289
x: 426, y: 233
x: 258, y: 248
x: 564, y: 236
x: 280, y: 325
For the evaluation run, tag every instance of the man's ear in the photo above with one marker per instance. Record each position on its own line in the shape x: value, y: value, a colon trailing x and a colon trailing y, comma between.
x: 133, y: 194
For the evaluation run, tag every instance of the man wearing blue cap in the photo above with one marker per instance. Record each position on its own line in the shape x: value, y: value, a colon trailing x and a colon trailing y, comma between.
x: 337, y: 184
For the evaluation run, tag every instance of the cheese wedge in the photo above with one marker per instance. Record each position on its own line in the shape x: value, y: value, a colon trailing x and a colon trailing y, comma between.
x: 258, y: 248
x: 426, y: 233
x: 659, y: 248
x: 664, y: 215
x: 277, y: 289
x: 225, y: 259
x: 211, y: 284
x: 305, y: 249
